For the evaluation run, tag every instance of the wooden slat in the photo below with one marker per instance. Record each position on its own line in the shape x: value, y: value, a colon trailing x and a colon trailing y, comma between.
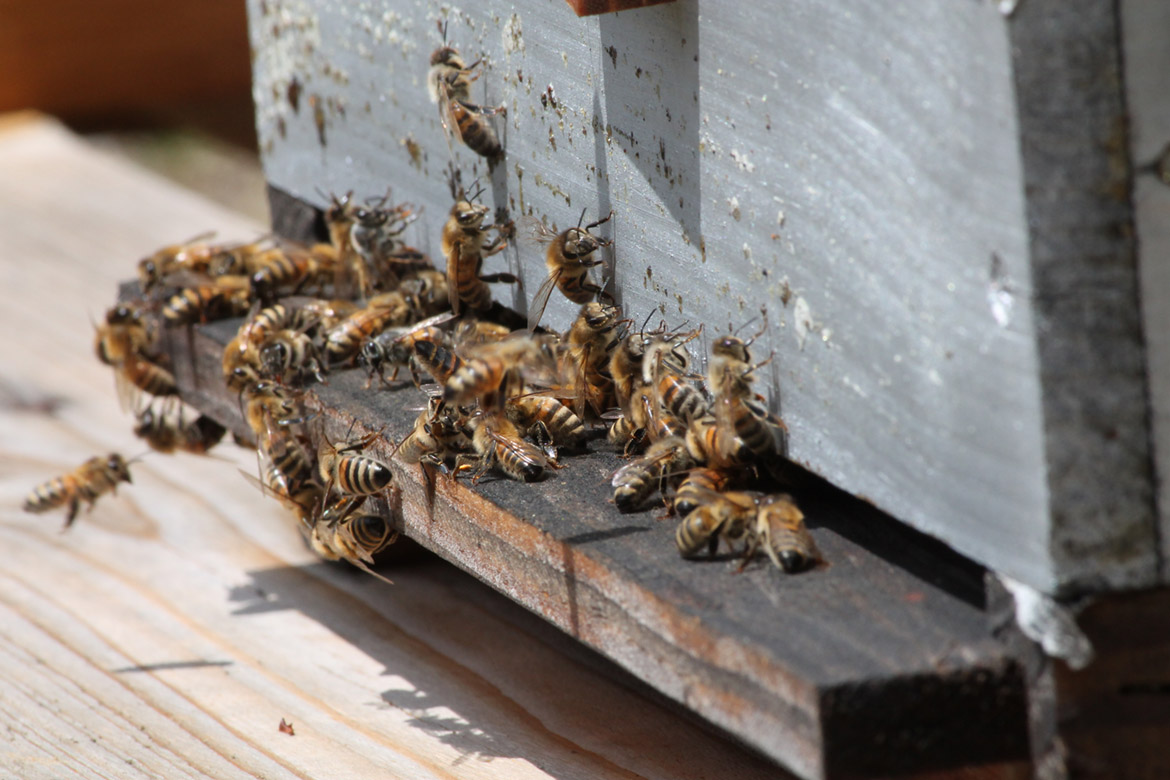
x: 880, y: 662
x: 169, y: 632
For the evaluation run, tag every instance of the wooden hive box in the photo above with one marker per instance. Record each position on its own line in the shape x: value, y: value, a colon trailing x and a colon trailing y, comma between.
x: 935, y: 203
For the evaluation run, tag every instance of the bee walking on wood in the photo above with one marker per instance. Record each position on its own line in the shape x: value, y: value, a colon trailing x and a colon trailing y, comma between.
x: 570, y: 255
x: 342, y: 467
x: 91, y: 479
x: 449, y: 84
x: 497, y: 443
x: 718, y: 516
x: 779, y: 528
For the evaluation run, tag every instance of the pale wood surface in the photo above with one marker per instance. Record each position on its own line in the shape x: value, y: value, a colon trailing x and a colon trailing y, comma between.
x: 168, y: 633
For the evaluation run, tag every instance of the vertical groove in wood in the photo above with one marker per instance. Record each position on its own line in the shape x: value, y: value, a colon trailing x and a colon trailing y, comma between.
x: 1071, y: 107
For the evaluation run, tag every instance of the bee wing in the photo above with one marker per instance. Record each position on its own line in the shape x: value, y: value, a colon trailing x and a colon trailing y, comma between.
x: 453, y: 262
x: 448, y: 119
x: 526, y: 452
x: 536, y: 231
x: 540, y: 300
x: 129, y: 396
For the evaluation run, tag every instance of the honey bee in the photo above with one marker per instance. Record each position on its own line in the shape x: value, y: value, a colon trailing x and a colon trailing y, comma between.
x: 570, y: 255
x: 395, y: 347
x: 427, y: 292
x: 560, y: 424
x: 286, y: 461
x: 167, y: 434
x: 716, y: 444
x: 374, y: 237
x: 191, y: 255
x: 491, y: 371
x: 136, y: 375
x: 437, y: 432
x: 469, y: 333
x: 437, y: 358
x: 449, y: 84
x: 242, y: 362
x: 695, y: 485
x: 292, y: 269
x: 497, y: 443
x: 290, y: 355
x: 730, y: 375
x: 718, y: 516
x: 779, y: 528
x: 638, y: 479
x: 269, y: 407
x: 216, y: 298
x: 124, y: 333
x: 86, y: 483
x: 341, y: 466
x: 344, y: 341
x: 464, y: 245
x: 664, y: 367
x: 591, y: 338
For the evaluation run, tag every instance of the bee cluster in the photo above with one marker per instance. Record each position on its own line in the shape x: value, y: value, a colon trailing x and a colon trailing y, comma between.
x: 500, y: 400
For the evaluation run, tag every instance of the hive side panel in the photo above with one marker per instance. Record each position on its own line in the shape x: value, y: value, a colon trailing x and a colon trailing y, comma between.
x: 854, y: 170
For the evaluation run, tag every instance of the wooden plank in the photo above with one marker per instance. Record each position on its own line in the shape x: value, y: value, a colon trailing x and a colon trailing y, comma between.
x: 856, y: 168
x: 811, y: 685
x: 169, y: 632
x: 1148, y: 107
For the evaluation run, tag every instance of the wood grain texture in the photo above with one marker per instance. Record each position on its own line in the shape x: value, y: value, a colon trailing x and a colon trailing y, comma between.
x: 857, y: 169
x: 169, y: 632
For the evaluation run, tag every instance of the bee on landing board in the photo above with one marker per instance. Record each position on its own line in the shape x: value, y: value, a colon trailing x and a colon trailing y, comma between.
x: 464, y: 244
x: 779, y: 528
x: 98, y: 475
x: 726, y: 516
x: 449, y: 84
x: 570, y: 255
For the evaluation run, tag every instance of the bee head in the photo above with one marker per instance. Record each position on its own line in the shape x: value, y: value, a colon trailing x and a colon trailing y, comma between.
x: 118, y: 467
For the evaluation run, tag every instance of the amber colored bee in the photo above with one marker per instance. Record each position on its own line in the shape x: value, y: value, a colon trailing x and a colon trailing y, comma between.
x: 426, y: 290
x: 497, y: 443
x: 167, y: 433
x: 437, y: 358
x: 293, y: 269
x: 715, y: 444
x: 560, y: 423
x: 464, y: 245
x: 779, y: 528
x: 491, y: 371
x: 379, y: 252
x: 269, y: 407
x: 638, y: 479
x: 730, y: 375
x: 137, y: 374
x: 718, y: 516
x: 592, y: 337
x: 695, y: 485
x: 343, y: 467
x: 193, y: 255
x: 91, y: 479
x: 344, y: 341
x: 449, y: 84
x: 438, y: 432
x: 124, y: 333
x: 570, y: 255
x: 242, y: 362
x: 218, y: 298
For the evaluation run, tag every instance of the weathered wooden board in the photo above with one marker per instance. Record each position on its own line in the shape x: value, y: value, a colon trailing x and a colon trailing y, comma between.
x: 857, y: 168
x: 853, y: 668
x: 172, y: 628
x: 1147, y: 60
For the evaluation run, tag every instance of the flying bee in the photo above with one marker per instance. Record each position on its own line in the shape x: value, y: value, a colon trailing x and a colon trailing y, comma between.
x: 570, y: 255
x: 136, y: 375
x: 696, y: 484
x: 344, y: 341
x: 564, y: 428
x: 125, y: 333
x: 216, y: 298
x: 497, y: 443
x: 169, y: 433
x: 779, y: 528
x: 464, y: 244
x: 726, y: 516
x: 343, y: 467
x: 290, y: 355
x: 638, y: 479
x: 86, y: 483
x: 395, y: 347
x: 469, y: 333
x: 491, y: 371
x: 449, y: 84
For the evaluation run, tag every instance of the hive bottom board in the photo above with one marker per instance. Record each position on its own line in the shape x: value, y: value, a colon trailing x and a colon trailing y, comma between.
x: 880, y: 662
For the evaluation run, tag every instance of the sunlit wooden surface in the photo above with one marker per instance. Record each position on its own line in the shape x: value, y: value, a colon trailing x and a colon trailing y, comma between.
x: 169, y: 632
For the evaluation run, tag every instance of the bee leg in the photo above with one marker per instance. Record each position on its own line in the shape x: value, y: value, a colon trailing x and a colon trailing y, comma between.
x: 71, y: 515
x: 539, y: 434
x: 713, y: 546
x: 500, y: 277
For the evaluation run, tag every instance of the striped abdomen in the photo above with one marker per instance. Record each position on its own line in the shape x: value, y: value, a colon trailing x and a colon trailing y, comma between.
x: 476, y: 131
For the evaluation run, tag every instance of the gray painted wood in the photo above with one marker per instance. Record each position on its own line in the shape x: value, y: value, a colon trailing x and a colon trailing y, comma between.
x: 855, y: 168
x: 1147, y: 61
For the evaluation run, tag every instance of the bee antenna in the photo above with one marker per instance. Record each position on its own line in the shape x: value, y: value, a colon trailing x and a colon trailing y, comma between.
x: 646, y: 322
x: 582, y: 218
x: 138, y: 457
